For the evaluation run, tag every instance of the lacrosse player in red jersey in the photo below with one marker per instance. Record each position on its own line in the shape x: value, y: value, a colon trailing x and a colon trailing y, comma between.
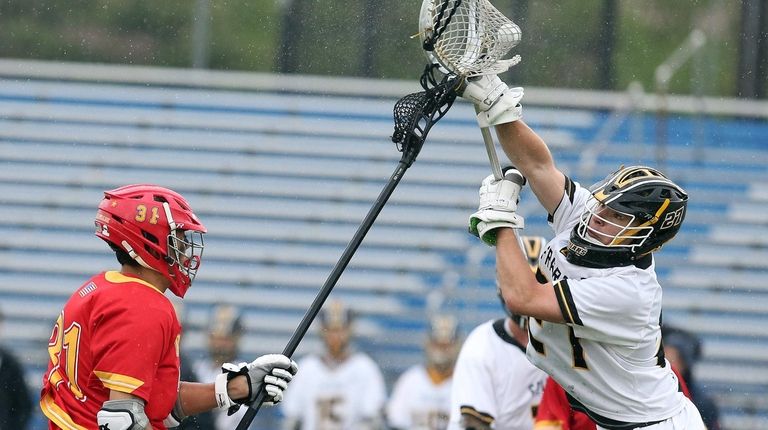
x: 555, y: 413
x: 114, y: 350
x: 595, y: 316
x: 495, y: 386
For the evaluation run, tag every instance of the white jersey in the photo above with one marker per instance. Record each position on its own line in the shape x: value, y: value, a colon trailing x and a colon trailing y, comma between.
x: 607, y: 356
x: 494, y: 381
x: 418, y: 403
x: 335, y: 398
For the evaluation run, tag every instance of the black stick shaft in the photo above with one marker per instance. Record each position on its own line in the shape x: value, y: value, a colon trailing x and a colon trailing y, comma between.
x: 334, y: 276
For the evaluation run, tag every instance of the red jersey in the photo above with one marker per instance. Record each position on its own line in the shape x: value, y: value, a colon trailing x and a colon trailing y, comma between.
x: 116, y: 332
x: 555, y: 413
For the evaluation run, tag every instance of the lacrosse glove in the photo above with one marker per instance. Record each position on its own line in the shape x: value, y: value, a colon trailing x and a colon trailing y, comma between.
x: 496, y: 102
x: 498, y: 203
x: 274, y: 371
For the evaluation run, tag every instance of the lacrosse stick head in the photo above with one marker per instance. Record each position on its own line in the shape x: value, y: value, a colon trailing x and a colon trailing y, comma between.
x: 416, y: 113
x: 467, y: 37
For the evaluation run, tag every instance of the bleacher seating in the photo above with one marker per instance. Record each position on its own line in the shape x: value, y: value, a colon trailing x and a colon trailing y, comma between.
x: 283, y: 178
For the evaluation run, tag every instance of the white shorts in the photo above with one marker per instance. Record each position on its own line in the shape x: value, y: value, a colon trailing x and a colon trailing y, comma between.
x: 687, y: 419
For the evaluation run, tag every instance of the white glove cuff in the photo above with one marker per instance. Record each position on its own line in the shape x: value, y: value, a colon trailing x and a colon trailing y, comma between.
x: 220, y: 388
x: 491, y: 117
x: 506, y: 109
x: 509, y: 194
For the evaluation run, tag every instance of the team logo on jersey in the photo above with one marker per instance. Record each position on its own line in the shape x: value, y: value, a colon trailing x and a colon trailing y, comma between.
x: 576, y: 249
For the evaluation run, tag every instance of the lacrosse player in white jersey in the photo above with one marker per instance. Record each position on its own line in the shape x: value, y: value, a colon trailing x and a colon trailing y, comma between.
x: 595, y: 319
x: 339, y: 390
x: 494, y: 385
x: 421, y: 397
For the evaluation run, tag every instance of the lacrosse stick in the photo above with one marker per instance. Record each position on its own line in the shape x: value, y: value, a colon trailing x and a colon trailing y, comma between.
x: 469, y: 38
x: 414, y: 116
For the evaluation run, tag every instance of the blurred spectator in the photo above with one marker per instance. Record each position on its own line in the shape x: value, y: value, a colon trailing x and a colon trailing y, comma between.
x: 421, y: 398
x: 339, y: 390
x: 683, y: 350
x: 15, y: 401
x: 494, y: 384
x: 225, y: 329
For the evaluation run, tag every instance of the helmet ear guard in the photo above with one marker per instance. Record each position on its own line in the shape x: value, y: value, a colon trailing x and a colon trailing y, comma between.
x: 656, y: 207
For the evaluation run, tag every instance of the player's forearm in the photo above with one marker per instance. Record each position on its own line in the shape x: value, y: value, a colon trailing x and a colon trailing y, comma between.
x: 525, y: 149
x: 521, y: 291
x: 513, y: 280
x: 529, y: 154
x: 196, y: 397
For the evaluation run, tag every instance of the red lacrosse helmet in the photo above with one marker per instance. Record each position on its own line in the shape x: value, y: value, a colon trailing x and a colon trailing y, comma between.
x: 157, y: 228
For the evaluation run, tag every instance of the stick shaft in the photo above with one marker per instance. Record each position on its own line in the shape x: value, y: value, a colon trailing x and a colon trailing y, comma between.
x: 330, y: 283
x: 490, y: 148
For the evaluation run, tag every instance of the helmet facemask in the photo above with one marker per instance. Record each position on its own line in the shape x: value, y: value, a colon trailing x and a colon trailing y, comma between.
x: 443, y: 343
x: 602, y: 225
x: 185, y: 251
x: 336, y: 321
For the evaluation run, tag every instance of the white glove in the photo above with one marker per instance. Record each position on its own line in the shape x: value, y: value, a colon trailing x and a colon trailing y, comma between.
x: 274, y: 371
x: 497, y: 103
x: 502, y: 195
x: 484, y: 223
x: 498, y: 203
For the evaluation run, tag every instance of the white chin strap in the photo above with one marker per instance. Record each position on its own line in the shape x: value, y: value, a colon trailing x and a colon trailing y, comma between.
x: 128, y: 248
x: 169, y: 216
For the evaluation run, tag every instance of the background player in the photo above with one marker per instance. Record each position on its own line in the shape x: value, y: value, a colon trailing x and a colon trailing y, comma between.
x: 225, y: 329
x: 341, y: 389
x: 595, y: 324
x: 421, y: 397
x: 114, y: 350
x: 494, y: 385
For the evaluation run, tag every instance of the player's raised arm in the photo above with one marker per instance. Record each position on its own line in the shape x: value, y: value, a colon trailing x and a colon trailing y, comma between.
x: 500, y: 105
x: 528, y: 152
